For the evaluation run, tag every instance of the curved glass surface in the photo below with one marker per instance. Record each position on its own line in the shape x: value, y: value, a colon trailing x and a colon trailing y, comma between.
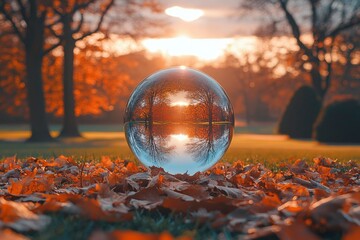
x: 179, y: 119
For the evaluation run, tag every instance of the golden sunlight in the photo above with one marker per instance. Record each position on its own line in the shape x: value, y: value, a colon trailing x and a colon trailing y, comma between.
x: 179, y: 99
x: 185, y: 14
x: 180, y: 136
x: 206, y: 49
x: 180, y: 103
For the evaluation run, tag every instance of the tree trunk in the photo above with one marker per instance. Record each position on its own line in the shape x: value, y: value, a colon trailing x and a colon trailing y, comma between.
x: 317, y: 83
x: 210, y: 113
x: 34, y: 42
x: 70, y: 127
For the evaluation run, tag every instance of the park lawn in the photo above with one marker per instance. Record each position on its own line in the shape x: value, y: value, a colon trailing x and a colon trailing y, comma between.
x: 110, y: 141
x: 270, y: 150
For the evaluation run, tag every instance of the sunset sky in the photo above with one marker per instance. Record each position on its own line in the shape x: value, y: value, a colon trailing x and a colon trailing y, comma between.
x: 204, y: 29
x: 219, y: 20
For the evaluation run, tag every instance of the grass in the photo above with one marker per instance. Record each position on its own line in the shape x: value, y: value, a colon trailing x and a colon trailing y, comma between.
x: 110, y: 140
x: 65, y: 226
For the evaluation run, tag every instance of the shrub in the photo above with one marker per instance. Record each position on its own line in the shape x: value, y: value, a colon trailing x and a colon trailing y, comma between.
x: 339, y: 123
x: 300, y: 114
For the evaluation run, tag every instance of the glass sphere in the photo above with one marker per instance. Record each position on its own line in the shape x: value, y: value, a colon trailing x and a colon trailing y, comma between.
x: 179, y: 119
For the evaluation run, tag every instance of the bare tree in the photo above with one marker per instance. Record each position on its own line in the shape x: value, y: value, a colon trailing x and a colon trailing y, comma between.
x: 326, y: 21
x: 204, y: 97
x: 150, y: 140
x: 28, y: 20
x: 208, y: 141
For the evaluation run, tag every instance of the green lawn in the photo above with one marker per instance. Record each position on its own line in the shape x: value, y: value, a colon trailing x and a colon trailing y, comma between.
x: 110, y: 140
x: 251, y: 144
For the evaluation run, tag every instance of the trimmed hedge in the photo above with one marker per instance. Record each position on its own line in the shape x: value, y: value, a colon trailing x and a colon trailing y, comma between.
x: 339, y: 122
x: 300, y: 114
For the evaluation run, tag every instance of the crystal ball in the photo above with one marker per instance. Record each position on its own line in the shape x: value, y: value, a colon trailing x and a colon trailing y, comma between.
x: 179, y: 119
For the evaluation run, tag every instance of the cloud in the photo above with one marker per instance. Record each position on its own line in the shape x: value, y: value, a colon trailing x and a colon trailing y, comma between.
x: 220, y: 19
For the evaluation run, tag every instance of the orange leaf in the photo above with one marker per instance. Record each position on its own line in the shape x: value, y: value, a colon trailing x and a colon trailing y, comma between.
x: 15, y: 188
x: 7, y: 234
x: 131, y: 167
x: 107, y: 163
x: 296, y: 231
x: 134, y: 235
x: 353, y: 233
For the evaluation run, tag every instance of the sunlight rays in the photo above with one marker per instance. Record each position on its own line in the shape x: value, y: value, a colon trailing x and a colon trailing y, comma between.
x: 203, y: 48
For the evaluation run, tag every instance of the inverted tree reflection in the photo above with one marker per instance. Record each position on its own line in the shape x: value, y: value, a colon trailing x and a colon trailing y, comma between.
x: 208, y: 140
x: 161, y: 143
x: 149, y: 141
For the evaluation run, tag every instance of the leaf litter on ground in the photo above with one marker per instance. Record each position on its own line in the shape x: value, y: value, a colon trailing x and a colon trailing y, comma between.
x: 249, y: 201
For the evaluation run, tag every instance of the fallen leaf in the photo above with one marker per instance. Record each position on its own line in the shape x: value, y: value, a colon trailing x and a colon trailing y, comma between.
x: 330, y: 213
x: 20, y: 218
x: 7, y: 234
x: 296, y: 231
x: 231, y: 192
x: 352, y: 234
x: 299, y: 166
x: 173, y: 194
x: 221, y: 204
x: 248, y: 200
x: 131, y: 167
x: 133, y: 235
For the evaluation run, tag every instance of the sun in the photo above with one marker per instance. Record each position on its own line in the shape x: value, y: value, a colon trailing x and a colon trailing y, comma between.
x: 179, y: 99
x: 185, y: 14
x: 180, y: 103
x: 206, y: 49
x: 180, y: 136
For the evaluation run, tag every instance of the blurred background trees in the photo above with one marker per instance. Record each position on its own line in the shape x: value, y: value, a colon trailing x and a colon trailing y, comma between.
x: 327, y: 35
x: 70, y: 32
x: 60, y: 60
x: 42, y: 26
x: 28, y: 20
x: 322, y: 30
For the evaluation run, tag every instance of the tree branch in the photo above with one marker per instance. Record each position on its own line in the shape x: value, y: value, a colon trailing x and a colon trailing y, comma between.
x: 54, y: 23
x: 313, y: 18
x: 328, y: 12
x: 316, y: 32
x: 83, y: 5
x: 355, y: 20
x: 12, y: 22
x: 77, y: 29
x: 329, y: 66
x: 49, y: 49
x: 295, y: 29
x: 58, y: 13
x: 99, y: 23
x: 23, y: 10
x: 54, y: 33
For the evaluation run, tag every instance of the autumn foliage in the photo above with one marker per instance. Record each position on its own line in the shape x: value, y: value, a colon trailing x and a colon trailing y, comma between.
x: 249, y: 200
x: 99, y: 84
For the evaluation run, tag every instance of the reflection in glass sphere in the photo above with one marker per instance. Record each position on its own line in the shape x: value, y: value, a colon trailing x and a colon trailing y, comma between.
x: 179, y: 119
